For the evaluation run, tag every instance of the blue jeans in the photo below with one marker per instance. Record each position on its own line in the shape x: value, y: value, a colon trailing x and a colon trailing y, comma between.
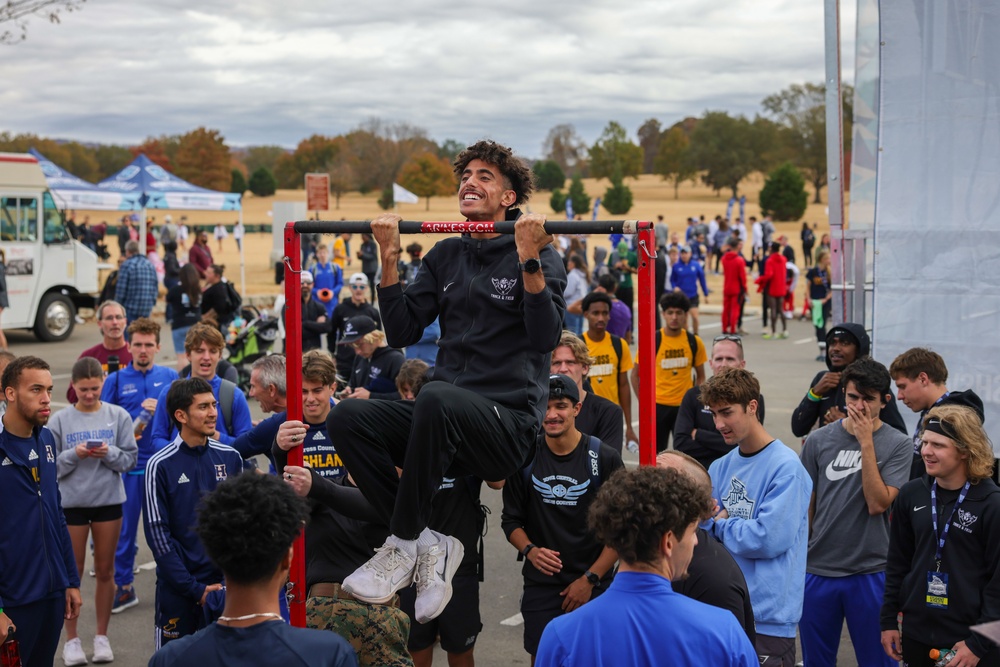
x: 573, y: 323
x: 179, y: 335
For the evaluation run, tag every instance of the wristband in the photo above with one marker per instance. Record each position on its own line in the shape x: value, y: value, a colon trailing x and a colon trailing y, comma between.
x: 528, y: 547
x: 811, y: 395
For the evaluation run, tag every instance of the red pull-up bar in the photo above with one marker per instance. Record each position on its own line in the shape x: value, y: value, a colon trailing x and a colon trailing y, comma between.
x: 293, y: 331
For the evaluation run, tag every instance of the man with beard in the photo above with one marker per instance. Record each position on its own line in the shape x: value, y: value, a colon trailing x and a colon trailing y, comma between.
x: 545, y: 515
x: 39, y: 584
x: 824, y: 402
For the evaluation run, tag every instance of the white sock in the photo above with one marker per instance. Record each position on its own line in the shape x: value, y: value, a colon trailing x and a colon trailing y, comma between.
x: 427, y: 538
x: 409, y: 546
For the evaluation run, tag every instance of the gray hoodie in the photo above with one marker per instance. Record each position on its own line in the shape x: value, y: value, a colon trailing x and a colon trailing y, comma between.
x: 91, y: 482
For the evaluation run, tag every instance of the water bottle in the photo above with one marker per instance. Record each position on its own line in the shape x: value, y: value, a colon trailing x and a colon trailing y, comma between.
x: 140, y: 422
x: 942, y: 656
x: 10, y: 652
x: 632, y: 446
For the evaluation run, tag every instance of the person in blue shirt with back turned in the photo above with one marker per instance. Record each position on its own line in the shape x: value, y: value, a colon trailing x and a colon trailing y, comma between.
x: 135, y: 388
x: 203, y: 345
x: 649, y: 516
x: 684, y: 277
x: 763, y: 491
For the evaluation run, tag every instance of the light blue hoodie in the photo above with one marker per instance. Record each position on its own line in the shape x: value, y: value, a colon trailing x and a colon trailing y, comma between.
x: 767, y: 498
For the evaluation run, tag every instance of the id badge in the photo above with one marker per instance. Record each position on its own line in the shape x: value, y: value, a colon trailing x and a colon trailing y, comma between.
x: 937, y: 590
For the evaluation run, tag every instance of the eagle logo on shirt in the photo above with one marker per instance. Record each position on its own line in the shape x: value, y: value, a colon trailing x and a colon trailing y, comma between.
x: 738, y: 504
x: 503, y: 286
x: 559, y: 493
x: 965, y: 520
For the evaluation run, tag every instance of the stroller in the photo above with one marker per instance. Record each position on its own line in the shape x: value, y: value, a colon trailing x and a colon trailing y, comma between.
x: 251, y: 336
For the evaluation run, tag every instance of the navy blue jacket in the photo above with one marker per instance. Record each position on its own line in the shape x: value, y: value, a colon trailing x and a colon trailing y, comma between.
x: 177, y: 477
x: 36, y: 555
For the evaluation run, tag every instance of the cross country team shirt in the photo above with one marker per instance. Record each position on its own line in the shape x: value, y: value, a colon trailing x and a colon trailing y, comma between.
x: 606, y: 367
x: 675, y: 368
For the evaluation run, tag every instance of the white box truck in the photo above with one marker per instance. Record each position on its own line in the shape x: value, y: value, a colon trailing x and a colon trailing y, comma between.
x: 49, y: 275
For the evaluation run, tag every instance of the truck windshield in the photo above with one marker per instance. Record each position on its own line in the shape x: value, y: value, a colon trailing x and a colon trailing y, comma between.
x: 54, y: 228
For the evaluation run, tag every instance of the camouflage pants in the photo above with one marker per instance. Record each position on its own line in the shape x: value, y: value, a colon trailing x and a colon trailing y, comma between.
x: 377, y: 632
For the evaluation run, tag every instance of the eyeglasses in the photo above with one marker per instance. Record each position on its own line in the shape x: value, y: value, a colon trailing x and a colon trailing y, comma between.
x: 733, y: 337
x: 112, y: 318
x: 358, y: 287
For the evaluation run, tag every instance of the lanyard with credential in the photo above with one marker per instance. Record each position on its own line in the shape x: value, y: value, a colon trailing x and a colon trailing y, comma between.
x: 947, y: 524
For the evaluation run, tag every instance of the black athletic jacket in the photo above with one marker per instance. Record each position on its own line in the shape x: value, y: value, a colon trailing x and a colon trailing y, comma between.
x: 496, y: 340
x: 971, y: 557
x: 807, y: 415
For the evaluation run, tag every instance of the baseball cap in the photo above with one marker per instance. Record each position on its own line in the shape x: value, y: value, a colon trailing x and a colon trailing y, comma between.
x: 356, y: 328
x: 843, y: 333
x: 358, y: 279
x: 685, y: 248
x: 168, y: 218
x: 563, y: 386
x: 306, y: 277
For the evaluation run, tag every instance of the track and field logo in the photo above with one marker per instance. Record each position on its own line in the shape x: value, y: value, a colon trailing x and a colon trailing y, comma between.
x: 965, y: 520
x: 503, y: 287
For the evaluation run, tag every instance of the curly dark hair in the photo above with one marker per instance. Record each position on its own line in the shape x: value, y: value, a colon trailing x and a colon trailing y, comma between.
x: 868, y: 376
x: 247, y: 525
x: 517, y: 175
x: 675, y: 300
x: 635, y: 508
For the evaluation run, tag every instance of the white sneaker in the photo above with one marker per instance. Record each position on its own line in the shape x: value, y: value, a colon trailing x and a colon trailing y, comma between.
x: 102, y: 649
x: 389, y: 570
x: 436, y: 566
x: 73, y: 653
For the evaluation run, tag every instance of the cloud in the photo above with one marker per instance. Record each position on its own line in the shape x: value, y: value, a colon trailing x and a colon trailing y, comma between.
x: 276, y: 72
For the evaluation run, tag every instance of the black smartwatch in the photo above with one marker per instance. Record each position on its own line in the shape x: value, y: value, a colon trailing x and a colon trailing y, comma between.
x: 530, y: 266
x: 527, y: 547
x: 592, y: 578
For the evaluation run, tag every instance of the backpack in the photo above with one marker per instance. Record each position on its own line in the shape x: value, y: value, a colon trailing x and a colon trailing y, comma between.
x: 692, y: 343
x: 233, y: 299
x: 616, y: 343
x: 227, y: 393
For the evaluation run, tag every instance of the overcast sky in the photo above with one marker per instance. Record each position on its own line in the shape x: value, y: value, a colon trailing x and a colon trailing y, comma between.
x: 274, y: 72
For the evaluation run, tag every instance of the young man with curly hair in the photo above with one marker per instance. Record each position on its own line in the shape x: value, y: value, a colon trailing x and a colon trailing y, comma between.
x: 500, y: 304
x: 247, y: 526
x: 649, y: 516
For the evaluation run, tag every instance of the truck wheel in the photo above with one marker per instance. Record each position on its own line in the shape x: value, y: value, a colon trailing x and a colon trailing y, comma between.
x: 55, y: 319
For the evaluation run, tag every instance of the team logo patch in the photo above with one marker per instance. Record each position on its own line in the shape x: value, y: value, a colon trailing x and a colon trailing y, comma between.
x: 220, y: 472
x: 560, y: 493
x: 49, y: 456
x: 447, y: 483
x: 738, y: 504
x: 965, y: 520
x: 503, y: 286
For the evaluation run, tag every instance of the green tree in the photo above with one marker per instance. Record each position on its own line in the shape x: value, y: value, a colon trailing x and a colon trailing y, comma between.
x: 579, y: 196
x: 614, y: 151
x: 548, y: 175
x: 558, y: 200
x: 385, y: 200
x: 262, y: 182
x: 110, y: 160
x: 239, y: 184
x: 450, y: 149
x: 203, y: 159
x: 723, y: 148
x: 427, y: 175
x: 800, y: 110
x: 649, y: 140
x: 618, y: 198
x: 256, y: 157
x: 784, y: 194
x: 673, y: 158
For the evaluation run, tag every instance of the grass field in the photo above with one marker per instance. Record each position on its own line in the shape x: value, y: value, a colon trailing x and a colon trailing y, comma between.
x: 651, y: 195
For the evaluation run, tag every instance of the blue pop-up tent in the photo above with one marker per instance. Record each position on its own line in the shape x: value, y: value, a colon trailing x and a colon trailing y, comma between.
x: 71, y: 191
x: 155, y: 187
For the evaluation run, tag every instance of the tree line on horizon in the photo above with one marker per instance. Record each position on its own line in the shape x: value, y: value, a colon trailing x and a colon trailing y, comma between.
x: 718, y: 148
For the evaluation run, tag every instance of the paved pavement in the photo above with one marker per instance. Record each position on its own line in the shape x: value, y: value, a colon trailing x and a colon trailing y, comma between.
x: 784, y: 368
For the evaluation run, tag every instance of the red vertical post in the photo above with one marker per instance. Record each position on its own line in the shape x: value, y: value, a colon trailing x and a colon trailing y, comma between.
x: 293, y: 382
x: 647, y: 347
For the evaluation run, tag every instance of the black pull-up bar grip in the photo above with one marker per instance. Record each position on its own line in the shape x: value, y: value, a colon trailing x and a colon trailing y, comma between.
x: 501, y: 227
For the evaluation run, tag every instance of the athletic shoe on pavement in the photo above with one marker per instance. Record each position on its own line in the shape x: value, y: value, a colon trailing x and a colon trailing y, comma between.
x: 436, y: 566
x: 768, y: 336
x: 783, y: 334
x: 102, y: 650
x: 124, y: 598
x: 73, y: 653
x: 389, y: 570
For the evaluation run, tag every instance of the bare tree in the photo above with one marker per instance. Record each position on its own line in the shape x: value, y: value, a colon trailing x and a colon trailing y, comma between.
x: 18, y: 12
x: 565, y: 147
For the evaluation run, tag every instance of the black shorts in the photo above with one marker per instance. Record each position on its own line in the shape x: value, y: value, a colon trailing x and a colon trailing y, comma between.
x: 539, y: 605
x: 694, y: 300
x: 458, y: 625
x: 84, y: 516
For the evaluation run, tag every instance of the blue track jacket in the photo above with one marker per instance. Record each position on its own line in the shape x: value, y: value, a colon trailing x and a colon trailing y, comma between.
x: 128, y: 388
x: 162, y: 431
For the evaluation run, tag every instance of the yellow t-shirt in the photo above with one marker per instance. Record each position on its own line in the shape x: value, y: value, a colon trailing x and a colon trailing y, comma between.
x: 674, y: 370
x: 340, y: 253
x: 604, y: 373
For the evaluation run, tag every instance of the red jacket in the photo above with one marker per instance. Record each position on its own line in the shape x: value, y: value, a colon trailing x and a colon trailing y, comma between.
x: 734, y: 272
x: 201, y: 257
x: 773, y: 282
